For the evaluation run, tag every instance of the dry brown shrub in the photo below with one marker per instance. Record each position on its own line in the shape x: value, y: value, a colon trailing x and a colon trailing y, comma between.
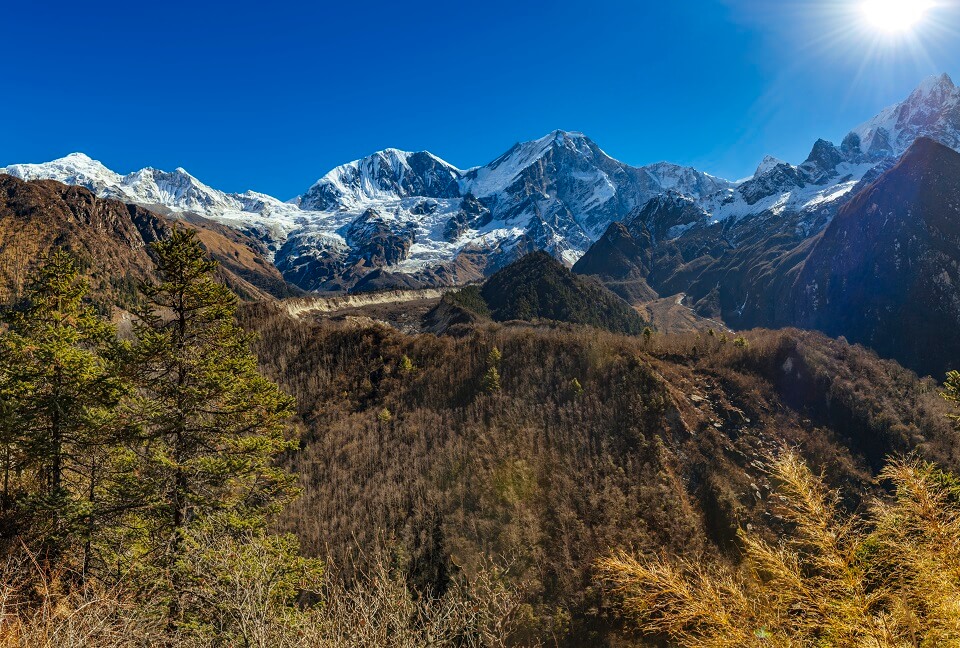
x: 889, y: 579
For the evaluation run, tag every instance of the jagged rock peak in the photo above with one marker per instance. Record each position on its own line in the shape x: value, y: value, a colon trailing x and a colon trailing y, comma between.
x: 767, y: 164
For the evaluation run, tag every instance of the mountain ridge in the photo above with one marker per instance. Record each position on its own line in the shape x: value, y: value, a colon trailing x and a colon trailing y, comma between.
x: 111, y: 241
x: 883, y: 273
x: 410, y: 219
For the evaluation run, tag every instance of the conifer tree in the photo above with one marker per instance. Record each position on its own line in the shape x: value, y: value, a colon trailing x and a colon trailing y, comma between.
x: 491, y: 379
x: 61, y: 387
x: 10, y: 448
x: 213, y: 426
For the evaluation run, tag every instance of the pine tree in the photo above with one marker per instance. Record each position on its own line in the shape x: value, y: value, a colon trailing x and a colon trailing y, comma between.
x: 213, y: 426
x: 576, y: 388
x: 61, y: 388
x: 430, y: 571
x: 951, y: 393
x: 491, y: 379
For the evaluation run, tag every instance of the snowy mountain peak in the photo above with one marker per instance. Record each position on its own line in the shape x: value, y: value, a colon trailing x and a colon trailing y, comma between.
x: 570, y: 139
x: 767, y: 164
x: 576, y: 149
x: 393, y: 152
x: 931, y: 111
x: 389, y: 174
x: 75, y: 169
x: 934, y: 95
x: 561, y: 136
x: 177, y: 190
x: 934, y: 84
x: 78, y: 156
x: 75, y: 160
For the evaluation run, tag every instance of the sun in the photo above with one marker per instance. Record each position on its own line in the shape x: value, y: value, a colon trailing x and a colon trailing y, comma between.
x: 895, y: 16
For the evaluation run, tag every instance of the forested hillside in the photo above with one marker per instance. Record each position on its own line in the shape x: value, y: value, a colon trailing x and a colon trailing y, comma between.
x: 226, y: 473
x: 585, y: 442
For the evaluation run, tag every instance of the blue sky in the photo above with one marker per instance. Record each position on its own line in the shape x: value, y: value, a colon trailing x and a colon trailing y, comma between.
x: 271, y: 95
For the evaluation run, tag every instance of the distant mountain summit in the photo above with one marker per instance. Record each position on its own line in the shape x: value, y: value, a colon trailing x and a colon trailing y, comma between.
x: 177, y: 190
x: 387, y: 175
x: 266, y: 219
x: 932, y: 110
x: 111, y: 238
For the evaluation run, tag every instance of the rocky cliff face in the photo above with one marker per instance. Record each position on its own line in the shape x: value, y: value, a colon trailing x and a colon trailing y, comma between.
x: 622, y: 261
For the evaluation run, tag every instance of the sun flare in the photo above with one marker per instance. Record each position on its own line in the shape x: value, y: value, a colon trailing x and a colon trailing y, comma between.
x: 895, y: 16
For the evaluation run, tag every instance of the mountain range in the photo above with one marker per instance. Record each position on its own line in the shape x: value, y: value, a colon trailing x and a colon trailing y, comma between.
x: 411, y: 219
x: 411, y: 216
x: 740, y: 251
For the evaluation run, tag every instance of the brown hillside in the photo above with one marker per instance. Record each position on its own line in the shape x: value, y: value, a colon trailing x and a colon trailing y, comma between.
x: 659, y: 448
x: 111, y: 240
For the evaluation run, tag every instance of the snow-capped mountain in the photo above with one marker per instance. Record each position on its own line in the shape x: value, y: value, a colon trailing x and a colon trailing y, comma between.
x: 806, y: 196
x: 558, y: 193
x: 386, y: 175
x: 567, y: 181
x: 831, y: 172
x: 412, y: 219
x: 767, y: 164
x: 177, y: 191
x: 932, y: 110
